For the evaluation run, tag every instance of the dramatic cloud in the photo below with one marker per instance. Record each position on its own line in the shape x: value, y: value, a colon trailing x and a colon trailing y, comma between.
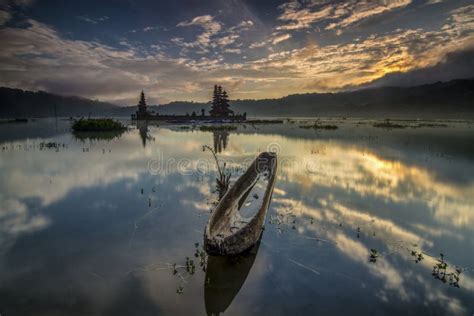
x: 343, y: 14
x: 455, y: 65
x: 295, y: 51
x: 299, y: 17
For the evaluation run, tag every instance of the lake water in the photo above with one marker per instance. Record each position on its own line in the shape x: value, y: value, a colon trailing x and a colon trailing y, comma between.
x: 95, y: 225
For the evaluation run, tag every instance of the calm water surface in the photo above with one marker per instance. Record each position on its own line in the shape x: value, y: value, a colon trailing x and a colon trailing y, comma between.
x: 104, y: 225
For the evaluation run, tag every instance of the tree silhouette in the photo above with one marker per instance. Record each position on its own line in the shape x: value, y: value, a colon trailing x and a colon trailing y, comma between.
x: 225, y: 103
x: 220, y: 102
x: 215, y: 98
x: 142, y: 99
x: 142, y: 103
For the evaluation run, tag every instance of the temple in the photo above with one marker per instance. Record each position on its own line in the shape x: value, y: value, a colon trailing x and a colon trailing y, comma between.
x: 220, y: 111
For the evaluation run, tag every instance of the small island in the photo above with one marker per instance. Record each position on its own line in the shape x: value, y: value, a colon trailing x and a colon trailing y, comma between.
x: 219, y: 112
x: 97, y: 125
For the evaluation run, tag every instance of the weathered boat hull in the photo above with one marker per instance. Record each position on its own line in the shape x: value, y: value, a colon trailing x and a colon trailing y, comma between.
x: 250, y: 233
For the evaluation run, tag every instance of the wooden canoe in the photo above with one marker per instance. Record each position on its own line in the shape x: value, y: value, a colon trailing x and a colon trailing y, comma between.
x: 231, y: 230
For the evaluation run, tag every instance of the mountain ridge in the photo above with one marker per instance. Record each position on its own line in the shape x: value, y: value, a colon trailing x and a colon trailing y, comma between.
x: 453, y: 98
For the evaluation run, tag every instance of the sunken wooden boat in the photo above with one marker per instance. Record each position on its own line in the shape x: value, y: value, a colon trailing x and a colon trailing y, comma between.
x: 236, y: 224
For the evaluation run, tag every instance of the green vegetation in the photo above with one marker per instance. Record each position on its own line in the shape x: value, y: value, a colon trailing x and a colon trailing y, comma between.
x: 212, y: 128
x: 97, y: 125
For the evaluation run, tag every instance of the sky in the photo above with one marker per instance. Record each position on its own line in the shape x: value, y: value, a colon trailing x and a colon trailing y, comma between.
x: 177, y: 50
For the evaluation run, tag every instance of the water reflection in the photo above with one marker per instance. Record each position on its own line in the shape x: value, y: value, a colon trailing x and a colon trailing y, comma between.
x: 80, y: 216
x: 142, y: 127
x: 220, y: 140
x: 96, y: 136
x: 224, y: 279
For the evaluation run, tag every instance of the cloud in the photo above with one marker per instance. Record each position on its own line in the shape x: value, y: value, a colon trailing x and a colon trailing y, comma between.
x: 91, y: 20
x: 337, y: 66
x: 258, y: 44
x: 335, y: 15
x: 209, y: 39
x: 274, y: 39
x: 227, y: 40
x: 36, y: 56
x: 299, y: 17
x: 89, y: 69
x: 233, y: 50
x: 360, y: 10
x: 280, y: 38
x: 208, y: 24
x: 242, y: 26
x: 153, y: 28
x: 455, y: 65
x: 205, y: 21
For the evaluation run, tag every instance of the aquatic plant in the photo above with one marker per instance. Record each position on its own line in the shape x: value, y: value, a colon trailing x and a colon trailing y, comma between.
x: 374, y: 254
x: 189, y: 267
x: 440, y: 272
x: 223, y: 182
x: 417, y: 255
x: 94, y: 125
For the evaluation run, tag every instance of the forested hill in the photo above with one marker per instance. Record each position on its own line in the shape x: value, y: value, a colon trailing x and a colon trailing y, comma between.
x: 443, y: 99
x: 19, y: 103
x: 453, y: 99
